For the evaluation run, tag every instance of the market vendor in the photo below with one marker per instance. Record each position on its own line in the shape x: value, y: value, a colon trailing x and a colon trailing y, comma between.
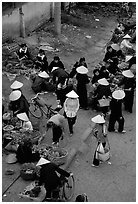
x: 58, y: 73
x: 49, y: 176
x: 23, y: 52
x: 24, y: 152
x: 40, y: 82
x: 26, y: 123
x: 41, y: 61
x: 56, y: 63
x: 18, y: 103
x: 125, y: 45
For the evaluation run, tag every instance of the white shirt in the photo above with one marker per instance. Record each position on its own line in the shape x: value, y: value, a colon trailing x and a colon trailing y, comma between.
x: 71, y: 106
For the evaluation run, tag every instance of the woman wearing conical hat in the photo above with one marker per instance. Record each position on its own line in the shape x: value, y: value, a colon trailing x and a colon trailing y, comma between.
x: 128, y: 84
x: 116, y: 112
x: 125, y: 45
x: 18, y: 103
x: 82, y: 81
x: 40, y: 82
x: 71, y: 107
x: 102, y: 91
x: 100, y: 132
x: 26, y: 123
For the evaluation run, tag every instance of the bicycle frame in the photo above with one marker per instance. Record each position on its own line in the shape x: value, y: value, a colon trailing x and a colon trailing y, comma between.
x: 49, y: 112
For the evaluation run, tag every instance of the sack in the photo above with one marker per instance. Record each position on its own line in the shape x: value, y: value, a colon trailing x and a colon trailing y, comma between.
x: 100, y: 149
x: 104, y: 102
x: 104, y: 157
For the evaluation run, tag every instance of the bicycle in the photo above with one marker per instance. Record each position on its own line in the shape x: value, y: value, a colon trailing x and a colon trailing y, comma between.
x: 64, y: 192
x: 37, y: 106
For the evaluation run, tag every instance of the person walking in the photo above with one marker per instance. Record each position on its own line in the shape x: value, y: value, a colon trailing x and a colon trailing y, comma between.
x: 129, y: 85
x: 57, y: 123
x: 82, y: 81
x: 100, y: 132
x: 71, y: 106
x: 116, y: 112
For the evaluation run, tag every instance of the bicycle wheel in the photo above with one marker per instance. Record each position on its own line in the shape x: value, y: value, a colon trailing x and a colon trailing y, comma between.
x: 68, y: 188
x: 35, y: 110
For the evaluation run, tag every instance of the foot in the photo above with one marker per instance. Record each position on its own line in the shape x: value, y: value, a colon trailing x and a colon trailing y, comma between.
x: 94, y: 165
x: 71, y: 134
x: 124, y: 131
x: 116, y: 131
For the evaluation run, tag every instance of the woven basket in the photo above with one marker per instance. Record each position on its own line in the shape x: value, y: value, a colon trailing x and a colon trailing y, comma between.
x: 59, y: 160
x: 26, y: 175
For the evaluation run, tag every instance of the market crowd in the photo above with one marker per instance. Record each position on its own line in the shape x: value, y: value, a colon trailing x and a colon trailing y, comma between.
x: 112, y: 85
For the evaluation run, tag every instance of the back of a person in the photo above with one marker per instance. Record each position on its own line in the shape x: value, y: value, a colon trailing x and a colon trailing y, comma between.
x: 103, y: 91
x: 49, y: 175
x: 116, y: 107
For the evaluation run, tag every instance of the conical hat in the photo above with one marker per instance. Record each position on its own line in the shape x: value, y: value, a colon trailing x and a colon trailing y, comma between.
x: 128, y: 73
x: 15, y: 95
x: 118, y: 94
x: 42, y: 161
x: 103, y: 81
x: 115, y: 47
x: 11, y: 159
x: 128, y: 57
x: 16, y: 85
x: 82, y: 70
x: 72, y: 94
x: 54, y: 68
x: 98, y: 119
x: 127, y: 36
x: 23, y: 116
x: 43, y: 75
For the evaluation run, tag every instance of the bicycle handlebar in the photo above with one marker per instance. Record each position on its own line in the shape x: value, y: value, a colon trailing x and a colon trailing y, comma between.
x: 38, y: 95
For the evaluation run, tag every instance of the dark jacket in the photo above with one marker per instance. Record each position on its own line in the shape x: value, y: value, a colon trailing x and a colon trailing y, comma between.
x: 54, y: 64
x: 116, y: 107
x: 49, y: 177
x: 43, y: 63
x: 22, y: 53
x: 21, y: 105
x: 59, y: 73
x: 73, y: 71
x: 39, y: 84
x: 103, y: 91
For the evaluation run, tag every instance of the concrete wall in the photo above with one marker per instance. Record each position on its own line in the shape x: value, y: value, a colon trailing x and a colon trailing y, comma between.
x: 34, y: 12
